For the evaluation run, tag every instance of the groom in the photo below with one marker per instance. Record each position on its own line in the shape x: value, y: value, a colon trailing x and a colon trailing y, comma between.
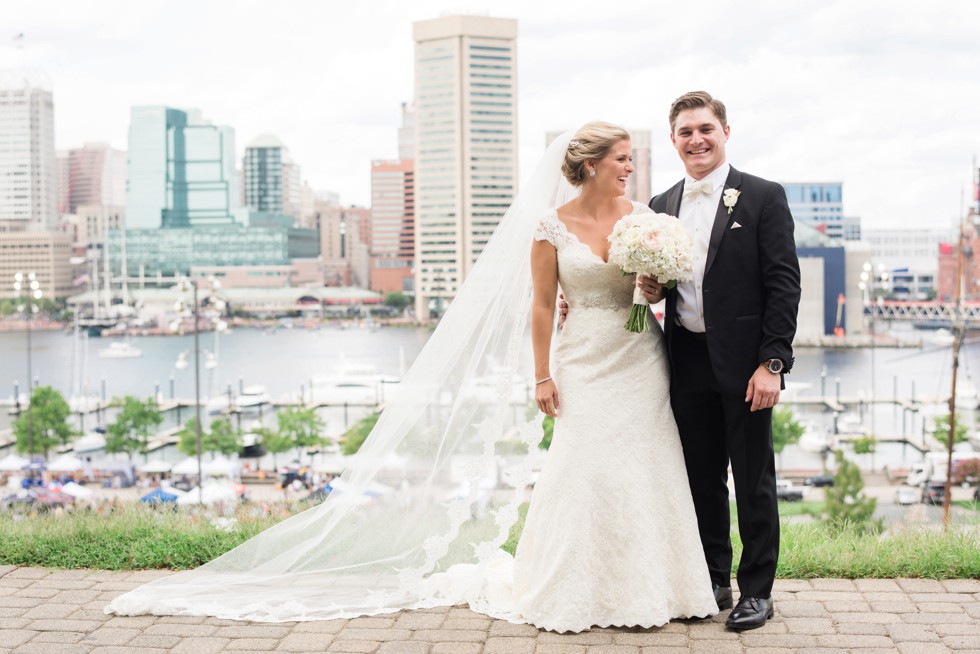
x: 729, y: 336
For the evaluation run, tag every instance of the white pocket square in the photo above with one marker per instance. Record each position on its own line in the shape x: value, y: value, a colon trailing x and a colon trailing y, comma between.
x: 735, y: 225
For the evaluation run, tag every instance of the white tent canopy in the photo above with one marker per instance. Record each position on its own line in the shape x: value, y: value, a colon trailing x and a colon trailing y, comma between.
x: 214, y: 493
x: 12, y: 462
x: 66, y: 463
x: 160, y: 466
x: 220, y: 466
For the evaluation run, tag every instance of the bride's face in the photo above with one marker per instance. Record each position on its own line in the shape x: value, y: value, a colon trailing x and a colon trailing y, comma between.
x: 613, y: 170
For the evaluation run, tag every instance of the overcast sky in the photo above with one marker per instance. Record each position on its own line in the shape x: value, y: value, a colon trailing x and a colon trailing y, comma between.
x: 882, y: 96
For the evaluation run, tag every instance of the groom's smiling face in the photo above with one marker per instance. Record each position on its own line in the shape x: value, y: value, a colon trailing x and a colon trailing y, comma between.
x: 700, y: 140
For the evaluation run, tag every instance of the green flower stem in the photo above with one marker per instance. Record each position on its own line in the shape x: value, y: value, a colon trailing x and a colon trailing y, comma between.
x: 637, y: 322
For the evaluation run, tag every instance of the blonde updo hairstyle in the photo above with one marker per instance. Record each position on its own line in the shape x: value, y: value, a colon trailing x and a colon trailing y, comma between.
x: 591, y: 142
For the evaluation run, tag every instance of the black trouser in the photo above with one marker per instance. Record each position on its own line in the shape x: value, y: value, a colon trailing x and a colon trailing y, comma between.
x: 714, y: 429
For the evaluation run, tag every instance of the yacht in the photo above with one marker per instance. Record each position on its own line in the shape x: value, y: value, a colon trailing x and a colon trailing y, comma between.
x: 812, y: 440
x: 252, y: 397
x: 353, y: 383
x: 940, y: 336
x: 252, y: 445
x: 120, y: 350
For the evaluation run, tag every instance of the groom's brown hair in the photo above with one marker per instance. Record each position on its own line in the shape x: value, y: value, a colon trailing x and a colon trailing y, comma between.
x: 694, y: 100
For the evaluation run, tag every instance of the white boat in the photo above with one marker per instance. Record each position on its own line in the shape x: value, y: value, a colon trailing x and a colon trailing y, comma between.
x: 849, y: 423
x: 939, y: 337
x: 353, y: 383
x: 252, y: 397
x: 814, y: 441
x: 84, y: 403
x: 219, y: 404
x: 120, y: 350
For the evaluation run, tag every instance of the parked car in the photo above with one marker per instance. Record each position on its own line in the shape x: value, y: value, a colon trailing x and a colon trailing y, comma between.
x: 819, y: 480
x: 787, y: 492
x: 933, y: 492
x: 905, y: 496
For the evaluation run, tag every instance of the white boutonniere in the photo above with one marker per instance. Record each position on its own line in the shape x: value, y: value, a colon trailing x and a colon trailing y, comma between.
x: 730, y: 198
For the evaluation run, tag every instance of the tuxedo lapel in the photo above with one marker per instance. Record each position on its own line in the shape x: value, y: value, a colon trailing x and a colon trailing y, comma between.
x: 722, y: 219
x: 674, y: 196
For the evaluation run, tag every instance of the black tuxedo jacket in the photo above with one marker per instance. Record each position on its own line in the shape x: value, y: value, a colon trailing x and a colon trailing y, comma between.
x: 751, y: 288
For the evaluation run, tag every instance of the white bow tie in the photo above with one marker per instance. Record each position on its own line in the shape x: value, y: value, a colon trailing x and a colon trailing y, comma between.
x: 702, y: 186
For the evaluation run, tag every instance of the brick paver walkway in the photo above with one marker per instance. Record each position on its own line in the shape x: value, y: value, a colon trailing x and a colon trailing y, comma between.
x: 60, y: 612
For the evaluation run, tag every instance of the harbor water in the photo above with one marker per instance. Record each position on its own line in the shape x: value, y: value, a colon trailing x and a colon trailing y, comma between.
x: 285, y: 360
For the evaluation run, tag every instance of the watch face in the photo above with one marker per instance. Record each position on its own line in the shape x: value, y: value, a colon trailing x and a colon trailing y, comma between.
x: 775, y: 366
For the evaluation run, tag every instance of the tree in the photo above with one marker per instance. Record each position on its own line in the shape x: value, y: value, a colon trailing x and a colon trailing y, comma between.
x: 274, y: 442
x: 7, y: 307
x: 136, y: 422
x: 846, y: 506
x: 397, y: 300
x: 966, y: 471
x: 786, y: 430
x: 47, y: 419
x: 301, y: 426
x: 222, y: 437
x: 941, y: 430
x: 864, y: 444
x: 354, y: 437
x: 187, y: 438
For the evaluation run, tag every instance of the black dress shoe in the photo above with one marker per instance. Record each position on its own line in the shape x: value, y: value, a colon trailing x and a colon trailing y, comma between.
x: 750, y: 613
x: 723, y: 596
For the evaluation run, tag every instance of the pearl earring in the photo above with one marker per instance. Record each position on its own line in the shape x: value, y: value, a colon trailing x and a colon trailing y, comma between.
x: 592, y: 173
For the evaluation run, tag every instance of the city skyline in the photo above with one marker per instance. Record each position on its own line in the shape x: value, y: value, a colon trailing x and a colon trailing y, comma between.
x: 857, y: 94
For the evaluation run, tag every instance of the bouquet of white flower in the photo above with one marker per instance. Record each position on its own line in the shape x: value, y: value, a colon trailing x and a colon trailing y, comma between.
x: 655, y: 245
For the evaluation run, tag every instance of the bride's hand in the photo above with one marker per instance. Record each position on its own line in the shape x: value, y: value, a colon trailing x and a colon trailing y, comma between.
x: 546, y: 395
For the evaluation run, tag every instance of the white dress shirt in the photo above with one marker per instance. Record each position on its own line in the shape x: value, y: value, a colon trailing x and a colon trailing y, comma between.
x: 697, y: 215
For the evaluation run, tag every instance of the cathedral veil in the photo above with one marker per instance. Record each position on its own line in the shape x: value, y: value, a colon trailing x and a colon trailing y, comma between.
x: 437, y: 483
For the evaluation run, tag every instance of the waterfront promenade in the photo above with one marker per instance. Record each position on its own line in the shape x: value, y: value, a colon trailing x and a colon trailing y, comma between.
x: 49, y: 612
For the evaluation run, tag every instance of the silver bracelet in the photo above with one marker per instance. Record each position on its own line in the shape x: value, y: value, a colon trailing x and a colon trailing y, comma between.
x: 538, y: 383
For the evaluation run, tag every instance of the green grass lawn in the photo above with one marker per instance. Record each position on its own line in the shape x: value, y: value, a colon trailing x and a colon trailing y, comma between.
x: 139, y: 537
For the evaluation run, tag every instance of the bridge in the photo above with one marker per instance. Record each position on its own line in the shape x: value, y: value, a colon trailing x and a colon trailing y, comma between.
x: 922, y: 311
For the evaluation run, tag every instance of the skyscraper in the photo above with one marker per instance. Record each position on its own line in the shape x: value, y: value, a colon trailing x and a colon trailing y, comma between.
x: 96, y: 176
x: 641, y: 181
x: 819, y: 205
x: 465, y: 147
x: 181, y: 170
x: 272, y: 180
x: 392, y: 223
x: 28, y: 178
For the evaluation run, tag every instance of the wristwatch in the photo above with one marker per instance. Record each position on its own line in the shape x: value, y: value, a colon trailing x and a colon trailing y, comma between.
x: 775, y: 366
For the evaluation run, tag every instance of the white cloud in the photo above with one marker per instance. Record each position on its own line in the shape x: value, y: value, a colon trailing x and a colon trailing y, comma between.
x: 879, y: 95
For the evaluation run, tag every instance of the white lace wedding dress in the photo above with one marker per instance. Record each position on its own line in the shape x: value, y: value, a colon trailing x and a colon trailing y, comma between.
x: 419, y: 516
x: 611, y: 536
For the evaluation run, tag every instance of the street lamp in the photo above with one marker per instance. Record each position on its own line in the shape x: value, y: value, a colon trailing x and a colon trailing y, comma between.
x: 180, y: 305
x: 867, y: 285
x: 183, y: 285
x: 28, y: 286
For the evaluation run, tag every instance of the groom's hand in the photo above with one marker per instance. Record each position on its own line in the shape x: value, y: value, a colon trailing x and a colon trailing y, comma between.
x: 562, y: 310
x: 763, y: 390
x: 652, y: 290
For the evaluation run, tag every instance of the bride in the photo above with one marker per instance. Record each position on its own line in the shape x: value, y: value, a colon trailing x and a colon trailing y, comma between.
x: 423, y: 510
